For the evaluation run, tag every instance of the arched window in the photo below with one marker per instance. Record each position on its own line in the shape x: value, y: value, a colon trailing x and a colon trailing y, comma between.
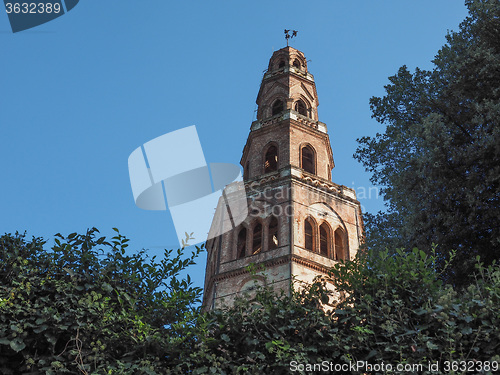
x: 273, y: 241
x: 324, y: 239
x: 281, y: 64
x: 257, y: 239
x: 241, y: 246
x: 301, y: 108
x: 308, y: 159
x: 339, y: 245
x: 271, y: 159
x: 277, y: 107
x: 308, y: 233
x: 296, y: 63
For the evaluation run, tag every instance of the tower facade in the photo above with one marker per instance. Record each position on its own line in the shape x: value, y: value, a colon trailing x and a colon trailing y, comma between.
x: 300, y: 223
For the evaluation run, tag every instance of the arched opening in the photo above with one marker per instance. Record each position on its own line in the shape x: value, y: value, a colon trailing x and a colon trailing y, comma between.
x: 308, y: 159
x: 309, y: 235
x: 339, y: 245
x: 301, y: 108
x: 271, y: 159
x: 277, y: 107
x: 324, y: 239
x: 273, y: 241
x: 257, y: 239
x: 296, y: 63
x: 241, y: 246
x: 281, y: 64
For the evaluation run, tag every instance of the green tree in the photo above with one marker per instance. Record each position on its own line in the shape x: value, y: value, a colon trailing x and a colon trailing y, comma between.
x: 86, y: 306
x: 265, y: 331
x: 397, y: 310
x: 394, y: 309
x: 438, y: 160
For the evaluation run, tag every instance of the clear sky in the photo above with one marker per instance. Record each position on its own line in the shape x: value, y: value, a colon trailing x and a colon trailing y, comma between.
x: 80, y: 93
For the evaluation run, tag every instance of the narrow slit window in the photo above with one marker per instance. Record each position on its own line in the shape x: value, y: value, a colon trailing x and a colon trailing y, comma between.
x: 257, y: 239
x: 324, y: 240
x: 271, y: 160
x: 242, y: 243
x: 339, y: 245
x: 308, y: 160
x: 273, y: 242
x: 308, y: 230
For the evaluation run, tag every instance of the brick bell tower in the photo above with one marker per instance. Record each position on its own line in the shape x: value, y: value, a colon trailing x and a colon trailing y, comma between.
x: 300, y: 223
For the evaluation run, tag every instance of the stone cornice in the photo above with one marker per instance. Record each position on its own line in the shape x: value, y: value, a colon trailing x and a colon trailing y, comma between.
x: 271, y: 263
x: 304, y: 178
x: 242, y: 271
x: 310, y: 264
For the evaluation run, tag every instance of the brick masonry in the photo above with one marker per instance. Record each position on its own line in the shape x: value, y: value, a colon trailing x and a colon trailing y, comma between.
x: 288, y: 193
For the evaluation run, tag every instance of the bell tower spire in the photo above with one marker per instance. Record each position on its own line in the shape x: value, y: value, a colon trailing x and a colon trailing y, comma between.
x: 288, y: 102
x: 288, y: 69
x: 300, y: 223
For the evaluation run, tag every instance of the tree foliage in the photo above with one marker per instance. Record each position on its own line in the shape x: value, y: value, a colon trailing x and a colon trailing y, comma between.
x: 88, y: 307
x: 398, y: 310
x: 438, y: 160
x: 395, y: 310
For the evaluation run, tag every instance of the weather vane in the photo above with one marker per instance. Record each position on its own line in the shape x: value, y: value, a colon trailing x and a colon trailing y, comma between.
x: 288, y: 36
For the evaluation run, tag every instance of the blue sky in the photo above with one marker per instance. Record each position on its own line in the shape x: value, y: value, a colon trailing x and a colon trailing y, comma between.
x: 80, y: 93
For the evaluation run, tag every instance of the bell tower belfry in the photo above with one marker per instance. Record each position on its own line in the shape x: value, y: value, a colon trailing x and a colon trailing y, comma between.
x: 300, y: 223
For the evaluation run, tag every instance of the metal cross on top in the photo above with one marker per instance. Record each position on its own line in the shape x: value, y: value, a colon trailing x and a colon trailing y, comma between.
x: 288, y: 36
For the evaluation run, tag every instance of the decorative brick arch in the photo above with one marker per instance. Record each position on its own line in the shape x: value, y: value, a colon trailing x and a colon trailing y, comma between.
x: 276, y: 61
x: 308, y: 158
x: 306, y: 103
x: 240, y: 242
x: 248, y: 283
x: 269, y: 165
x: 340, y: 244
x: 257, y: 237
x: 272, y: 234
x: 337, y: 224
x: 325, y: 234
x: 289, y: 58
x: 278, y: 105
x: 310, y: 234
x: 294, y: 56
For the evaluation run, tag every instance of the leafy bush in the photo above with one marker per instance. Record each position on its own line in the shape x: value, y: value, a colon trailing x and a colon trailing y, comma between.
x: 395, y: 310
x: 264, y: 333
x: 88, y: 307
